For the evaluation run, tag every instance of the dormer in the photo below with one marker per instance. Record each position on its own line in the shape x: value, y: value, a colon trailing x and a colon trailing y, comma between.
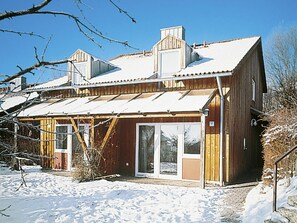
x: 84, y: 67
x: 172, y: 53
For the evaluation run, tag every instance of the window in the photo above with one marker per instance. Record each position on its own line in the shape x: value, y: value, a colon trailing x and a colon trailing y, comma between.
x: 253, y: 90
x: 169, y: 62
x: 79, y: 72
x: 192, y: 139
x: 84, y: 133
x: 61, y: 137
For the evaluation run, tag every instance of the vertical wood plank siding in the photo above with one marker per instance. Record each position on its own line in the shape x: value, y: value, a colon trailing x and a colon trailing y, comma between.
x: 238, y: 116
x: 190, y: 84
x: 212, y: 147
x: 47, y: 142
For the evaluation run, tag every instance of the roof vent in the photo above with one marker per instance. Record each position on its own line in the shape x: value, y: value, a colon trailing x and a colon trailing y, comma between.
x: 177, y: 31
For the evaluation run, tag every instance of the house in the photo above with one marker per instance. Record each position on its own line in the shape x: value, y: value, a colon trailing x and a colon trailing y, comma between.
x: 178, y: 111
x: 13, y: 100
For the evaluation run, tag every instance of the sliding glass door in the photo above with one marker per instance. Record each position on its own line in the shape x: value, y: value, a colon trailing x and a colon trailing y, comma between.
x: 146, y: 149
x: 168, y: 149
x: 162, y: 149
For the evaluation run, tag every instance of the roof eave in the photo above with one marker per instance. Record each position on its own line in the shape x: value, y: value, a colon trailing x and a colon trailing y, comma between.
x: 137, y: 81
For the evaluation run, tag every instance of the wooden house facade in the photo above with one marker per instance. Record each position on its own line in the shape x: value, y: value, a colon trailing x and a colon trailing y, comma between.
x: 176, y: 112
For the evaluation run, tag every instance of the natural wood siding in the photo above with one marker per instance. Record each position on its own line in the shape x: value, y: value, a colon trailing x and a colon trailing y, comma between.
x: 109, y: 162
x: 110, y: 158
x: 212, y: 141
x: 47, y: 142
x: 191, y: 84
x: 169, y: 43
x: 238, y: 116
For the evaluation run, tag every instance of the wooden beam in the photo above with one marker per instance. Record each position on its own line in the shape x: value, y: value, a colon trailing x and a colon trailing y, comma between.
x: 202, y: 152
x: 92, y: 134
x: 146, y: 115
x: 108, y: 133
x: 80, y: 139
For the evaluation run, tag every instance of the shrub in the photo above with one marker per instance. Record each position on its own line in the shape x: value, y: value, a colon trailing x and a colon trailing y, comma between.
x: 278, y: 138
x: 87, y: 165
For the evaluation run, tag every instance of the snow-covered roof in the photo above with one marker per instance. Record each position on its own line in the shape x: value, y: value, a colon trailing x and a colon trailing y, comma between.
x: 129, y: 67
x: 155, y: 102
x: 51, y: 84
x: 13, y: 100
x: 219, y: 57
x: 214, y: 58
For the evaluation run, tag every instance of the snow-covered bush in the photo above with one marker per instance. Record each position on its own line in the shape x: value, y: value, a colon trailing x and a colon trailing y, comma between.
x: 278, y: 138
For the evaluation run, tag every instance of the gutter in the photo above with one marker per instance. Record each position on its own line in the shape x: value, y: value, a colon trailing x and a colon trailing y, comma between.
x: 219, y: 82
x: 127, y: 82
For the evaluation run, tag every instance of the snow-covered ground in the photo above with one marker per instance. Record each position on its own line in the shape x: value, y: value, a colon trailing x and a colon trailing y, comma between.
x: 258, y: 206
x: 49, y: 198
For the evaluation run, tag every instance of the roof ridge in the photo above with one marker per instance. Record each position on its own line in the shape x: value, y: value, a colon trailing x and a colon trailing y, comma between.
x: 226, y: 41
x: 145, y: 52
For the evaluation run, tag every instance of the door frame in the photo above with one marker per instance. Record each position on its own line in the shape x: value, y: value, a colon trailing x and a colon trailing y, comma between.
x: 157, y: 144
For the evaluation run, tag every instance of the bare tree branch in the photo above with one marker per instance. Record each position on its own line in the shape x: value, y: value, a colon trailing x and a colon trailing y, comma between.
x: 12, y: 14
x: 20, y: 33
x: 31, y: 68
x: 123, y: 11
x: 81, y: 26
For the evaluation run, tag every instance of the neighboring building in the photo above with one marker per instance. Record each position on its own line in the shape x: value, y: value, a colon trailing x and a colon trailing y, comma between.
x: 176, y: 112
x: 13, y: 100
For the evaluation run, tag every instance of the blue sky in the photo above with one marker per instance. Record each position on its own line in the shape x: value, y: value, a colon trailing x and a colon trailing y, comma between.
x: 209, y: 21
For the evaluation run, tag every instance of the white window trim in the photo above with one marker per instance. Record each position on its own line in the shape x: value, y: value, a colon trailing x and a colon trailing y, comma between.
x: 160, y: 53
x: 77, y: 77
x: 140, y: 174
x: 69, y: 139
x: 191, y: 156
x: 180, y: 154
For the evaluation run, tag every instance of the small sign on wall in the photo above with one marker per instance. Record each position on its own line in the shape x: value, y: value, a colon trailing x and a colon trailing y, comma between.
x: 211, y: 123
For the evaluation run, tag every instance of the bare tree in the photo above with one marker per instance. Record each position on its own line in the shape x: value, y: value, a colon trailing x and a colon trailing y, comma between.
x: 84, y: 26
x: 281, y: 67
x: 281, y: 103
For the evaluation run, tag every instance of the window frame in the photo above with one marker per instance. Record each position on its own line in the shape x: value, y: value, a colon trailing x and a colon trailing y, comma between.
x: 157, y: 140
x: 68, y: 138
x: 77, y: 75
x: 189, y: 155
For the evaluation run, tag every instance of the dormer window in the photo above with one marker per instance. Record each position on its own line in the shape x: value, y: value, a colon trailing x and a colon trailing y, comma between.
x: 84, y: 67
x: 79, y: 72
x: 169, y: 62
x: 172, y: 53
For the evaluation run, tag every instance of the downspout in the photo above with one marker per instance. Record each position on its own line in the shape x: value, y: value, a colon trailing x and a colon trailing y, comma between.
x: 219, y: 82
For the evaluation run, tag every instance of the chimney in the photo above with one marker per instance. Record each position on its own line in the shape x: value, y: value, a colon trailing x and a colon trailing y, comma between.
x: 18, y: 84
x: 177, y: 31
